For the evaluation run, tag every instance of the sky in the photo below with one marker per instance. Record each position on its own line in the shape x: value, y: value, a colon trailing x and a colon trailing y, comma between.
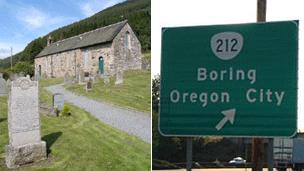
x: 24, y: 21
x: 172, y: 13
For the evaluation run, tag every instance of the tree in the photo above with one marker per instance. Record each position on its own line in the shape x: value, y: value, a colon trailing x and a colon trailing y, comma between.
x: 23, y: 67
x: 155, y: 93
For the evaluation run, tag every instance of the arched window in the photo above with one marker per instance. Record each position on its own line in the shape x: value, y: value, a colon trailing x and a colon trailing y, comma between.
x: 86, y: 56
x: 39, y: 70
x: 128, y: 41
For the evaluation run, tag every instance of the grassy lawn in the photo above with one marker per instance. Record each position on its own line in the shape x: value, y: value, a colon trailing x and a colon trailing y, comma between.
x: 135, y: 93
x: 147, y: 55
x: 81, y: 142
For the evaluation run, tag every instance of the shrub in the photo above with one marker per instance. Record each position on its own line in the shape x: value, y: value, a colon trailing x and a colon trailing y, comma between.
x: 66, y: 111
x: 24, y: 67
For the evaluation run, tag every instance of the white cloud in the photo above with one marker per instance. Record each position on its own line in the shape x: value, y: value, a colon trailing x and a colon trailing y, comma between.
x: 5, y: 48
x: 87, y: 9
x: 35, y: 18
x: 91, y: 7
x: 31, y: 16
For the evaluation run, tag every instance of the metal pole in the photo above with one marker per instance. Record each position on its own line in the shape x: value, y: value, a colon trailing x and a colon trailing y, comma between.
x: 189, y: 153
x: 270, y: 154
x: 246, y: 156
x: 11, y: 58
x: 257, y: 143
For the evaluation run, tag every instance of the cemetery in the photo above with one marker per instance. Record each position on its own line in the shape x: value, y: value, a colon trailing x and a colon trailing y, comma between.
x: 76, y: 96
x: 132, y: 92
x: 36, y: 140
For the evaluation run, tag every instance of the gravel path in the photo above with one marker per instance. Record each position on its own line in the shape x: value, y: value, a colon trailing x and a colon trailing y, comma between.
x: 132, y: 122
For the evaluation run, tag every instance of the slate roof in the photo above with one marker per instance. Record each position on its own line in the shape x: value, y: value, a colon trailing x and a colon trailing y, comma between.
x: 99, y: 36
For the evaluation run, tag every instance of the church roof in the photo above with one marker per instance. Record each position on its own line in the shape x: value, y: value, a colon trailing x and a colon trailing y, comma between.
x: 101, y: 35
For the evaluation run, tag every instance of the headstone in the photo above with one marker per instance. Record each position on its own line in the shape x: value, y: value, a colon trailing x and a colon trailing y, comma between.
x: 67, y: 78
x: 8, y: 83
x: 58, y: 101
x: 3, y: 86
x: 89, y: 85
x: 25, y: 145
x: 119, y: 77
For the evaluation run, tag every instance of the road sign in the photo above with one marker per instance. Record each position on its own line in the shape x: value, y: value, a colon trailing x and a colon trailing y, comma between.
x: 229, y: 80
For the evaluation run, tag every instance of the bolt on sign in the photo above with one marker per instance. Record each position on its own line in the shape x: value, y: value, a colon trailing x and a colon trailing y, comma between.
x: 229, y: 80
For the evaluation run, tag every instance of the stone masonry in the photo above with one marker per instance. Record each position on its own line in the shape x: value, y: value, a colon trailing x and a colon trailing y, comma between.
x: 123, y: 52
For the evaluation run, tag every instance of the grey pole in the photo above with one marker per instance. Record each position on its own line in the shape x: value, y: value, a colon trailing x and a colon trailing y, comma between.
x: 11, y: 58
x: 270, y: 154
x: 189, y: 153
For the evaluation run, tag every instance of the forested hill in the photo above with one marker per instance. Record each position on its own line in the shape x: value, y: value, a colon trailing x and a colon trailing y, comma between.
x: 137, y: 12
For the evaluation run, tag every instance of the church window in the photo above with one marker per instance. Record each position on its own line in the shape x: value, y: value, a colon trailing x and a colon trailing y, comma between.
x: 128, y: 41
x: 86, y: 59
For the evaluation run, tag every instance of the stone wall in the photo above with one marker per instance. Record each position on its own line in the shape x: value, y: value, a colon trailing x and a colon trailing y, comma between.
x: 116, y: 56
x: 94, y: 53
x: 57, y: 65
x: 126, y: 57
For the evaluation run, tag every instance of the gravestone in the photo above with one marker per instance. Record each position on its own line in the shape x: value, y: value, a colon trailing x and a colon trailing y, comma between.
x: 58, y: 102
x: 3, y: 86
x: 8, y: 83
x: 119, y: 77
x: 89, y: 85
x: 25, y: 145
x: 67, y: 78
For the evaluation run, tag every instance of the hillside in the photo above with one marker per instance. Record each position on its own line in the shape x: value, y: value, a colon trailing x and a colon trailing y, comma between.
x: 137, y: 12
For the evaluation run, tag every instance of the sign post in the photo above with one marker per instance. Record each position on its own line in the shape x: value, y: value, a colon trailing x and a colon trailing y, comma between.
x: 258, y: 143
x: 270, y: 154
x: 189, y: 153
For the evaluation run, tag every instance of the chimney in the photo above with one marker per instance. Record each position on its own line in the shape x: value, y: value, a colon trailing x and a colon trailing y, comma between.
x: 49, y: 40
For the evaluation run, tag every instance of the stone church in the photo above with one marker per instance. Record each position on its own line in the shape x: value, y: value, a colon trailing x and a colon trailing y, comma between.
x: 102, y: 52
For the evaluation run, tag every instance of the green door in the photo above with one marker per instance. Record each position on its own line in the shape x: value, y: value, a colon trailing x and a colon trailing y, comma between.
x: 101, y: 65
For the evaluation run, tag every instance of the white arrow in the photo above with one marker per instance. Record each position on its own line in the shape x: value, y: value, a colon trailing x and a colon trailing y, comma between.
x: 229, y: 116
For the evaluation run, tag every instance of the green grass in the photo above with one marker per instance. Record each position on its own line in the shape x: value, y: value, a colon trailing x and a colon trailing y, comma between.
x: 49, y: 82
x: 147, y: 55
x: 81, y: 142
x: 134, y: 93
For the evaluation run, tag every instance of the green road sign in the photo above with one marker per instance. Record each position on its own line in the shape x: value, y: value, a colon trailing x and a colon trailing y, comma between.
x: 229, y: 80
